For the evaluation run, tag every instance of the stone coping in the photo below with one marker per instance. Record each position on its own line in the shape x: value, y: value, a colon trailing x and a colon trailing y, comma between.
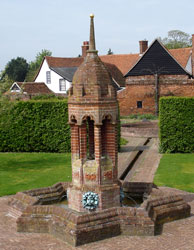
x: 80, y: 228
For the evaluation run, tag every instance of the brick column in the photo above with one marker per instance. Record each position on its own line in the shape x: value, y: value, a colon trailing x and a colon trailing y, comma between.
x: 74, y: 142
x: 91, y: 139
x: 83, y: 148
x: 98, y: 149
x: 115, y: 172
x: 111, y: 146
x: 83, y: 141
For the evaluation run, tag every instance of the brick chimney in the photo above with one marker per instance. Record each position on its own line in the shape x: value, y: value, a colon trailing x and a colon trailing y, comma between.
x: 143, y: 45
x: 192, y: 55
x: 85, y: 47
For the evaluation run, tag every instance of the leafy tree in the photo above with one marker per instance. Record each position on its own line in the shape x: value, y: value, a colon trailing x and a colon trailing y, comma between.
x: 41, y: 55
x: 15, y: 70
x: 177, y: 39
x: 110, y: 52
x: 34, y: 65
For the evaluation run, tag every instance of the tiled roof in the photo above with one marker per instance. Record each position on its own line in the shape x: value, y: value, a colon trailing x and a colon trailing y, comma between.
x: 157, y: 59
x: 126, y: 61
x: 70, y: 62
x: 59, y: 62
x: 34, y: 87
x: 122, y: 62
x: 181, y: 55
x: 118, y: 65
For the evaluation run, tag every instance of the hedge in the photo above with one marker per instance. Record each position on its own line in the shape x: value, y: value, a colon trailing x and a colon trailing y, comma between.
x: 35, y: 126
x: 176, y: 124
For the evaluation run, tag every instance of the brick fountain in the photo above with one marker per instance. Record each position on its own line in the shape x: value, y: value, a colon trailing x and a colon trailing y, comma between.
x: 94, y: 210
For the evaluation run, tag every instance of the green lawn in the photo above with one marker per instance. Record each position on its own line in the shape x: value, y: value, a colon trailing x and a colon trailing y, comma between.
x: 177, y: 171
x: 23, y: 171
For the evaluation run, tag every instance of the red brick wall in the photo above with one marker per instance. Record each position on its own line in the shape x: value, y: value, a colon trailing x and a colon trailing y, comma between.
x: 143, y: 89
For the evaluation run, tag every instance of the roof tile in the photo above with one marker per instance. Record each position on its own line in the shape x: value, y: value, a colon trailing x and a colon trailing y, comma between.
x: 34, y: 87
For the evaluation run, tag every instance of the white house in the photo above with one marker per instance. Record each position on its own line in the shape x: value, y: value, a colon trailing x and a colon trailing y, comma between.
x: 57, y: 72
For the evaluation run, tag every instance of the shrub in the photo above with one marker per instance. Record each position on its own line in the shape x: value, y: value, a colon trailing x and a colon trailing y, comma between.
x: 176, y: 123
x: 35, y: 126
x: 47, y: 97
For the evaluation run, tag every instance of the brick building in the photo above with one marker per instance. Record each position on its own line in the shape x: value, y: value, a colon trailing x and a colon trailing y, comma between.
x: 157, y: 72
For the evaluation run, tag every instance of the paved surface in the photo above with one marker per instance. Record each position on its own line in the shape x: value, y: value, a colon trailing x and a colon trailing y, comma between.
x: 177, y: 235
x: 147, y: 164
x: 128, y: 152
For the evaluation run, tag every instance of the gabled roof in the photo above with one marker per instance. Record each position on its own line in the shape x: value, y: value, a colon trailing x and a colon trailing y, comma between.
x: 33, y: 87
x: 181, y: 55
x: 122, y: 62
x: 66, y: 67
x: 157, y: 59
x: 60, y: 62
x: 65, y: 72
x: 118, y: 65
x: 126, y: 61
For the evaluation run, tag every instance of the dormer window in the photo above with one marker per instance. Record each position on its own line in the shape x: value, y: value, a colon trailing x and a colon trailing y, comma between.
x: 62, y: 84
x: 15, y: 88
x: 48, y: 77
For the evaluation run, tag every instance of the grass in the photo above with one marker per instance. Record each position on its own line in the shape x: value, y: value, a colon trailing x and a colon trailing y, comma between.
x: 140, y: 117
x: 23, y: 171
x: 137, y: 118
x: 176, y: 171
x: 123, y: 141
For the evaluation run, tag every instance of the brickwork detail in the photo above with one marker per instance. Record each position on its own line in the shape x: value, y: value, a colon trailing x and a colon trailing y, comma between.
x: 142, y: 88
x: 78, y: 229
x: 93, y: 112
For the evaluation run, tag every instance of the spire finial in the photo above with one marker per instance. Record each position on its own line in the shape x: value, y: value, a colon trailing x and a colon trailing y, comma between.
x: 92, y: 45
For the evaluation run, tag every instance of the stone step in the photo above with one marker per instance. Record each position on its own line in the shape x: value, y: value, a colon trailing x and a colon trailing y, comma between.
x: 14, y: 213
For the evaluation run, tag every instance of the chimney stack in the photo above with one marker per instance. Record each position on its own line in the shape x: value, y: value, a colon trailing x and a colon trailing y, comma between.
x: 85, y: 47
x: 143, y: 45
x: 192, y: 55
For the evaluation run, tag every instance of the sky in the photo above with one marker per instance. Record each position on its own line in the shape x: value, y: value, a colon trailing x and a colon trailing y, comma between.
x: 61, y: 26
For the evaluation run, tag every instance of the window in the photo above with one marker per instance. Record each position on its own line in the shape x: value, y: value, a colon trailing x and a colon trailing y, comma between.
x: 139, y: 104
x: 15, y: 88
x: 48, y: 77
x: 62, y: 85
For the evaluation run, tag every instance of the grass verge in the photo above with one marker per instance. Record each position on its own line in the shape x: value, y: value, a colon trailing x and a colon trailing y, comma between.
x: 176, y: 171
x: 23, y: 171
x: 140, y: 117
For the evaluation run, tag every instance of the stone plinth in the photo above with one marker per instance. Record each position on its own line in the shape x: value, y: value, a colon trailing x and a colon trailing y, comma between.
x: 109, y: 196
x: 79, y: 228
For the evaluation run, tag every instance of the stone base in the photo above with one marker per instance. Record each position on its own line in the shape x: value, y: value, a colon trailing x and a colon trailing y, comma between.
x: 109, y: 196
x: 78, y: 229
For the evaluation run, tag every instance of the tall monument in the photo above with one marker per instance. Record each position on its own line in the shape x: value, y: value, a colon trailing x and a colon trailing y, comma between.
x: 93, y: 114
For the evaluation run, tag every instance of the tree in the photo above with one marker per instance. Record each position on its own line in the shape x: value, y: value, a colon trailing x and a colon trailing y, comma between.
x: 177, y: 39
x: 35, y: 65
x: 15, y: 70
x: 110, y: 52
